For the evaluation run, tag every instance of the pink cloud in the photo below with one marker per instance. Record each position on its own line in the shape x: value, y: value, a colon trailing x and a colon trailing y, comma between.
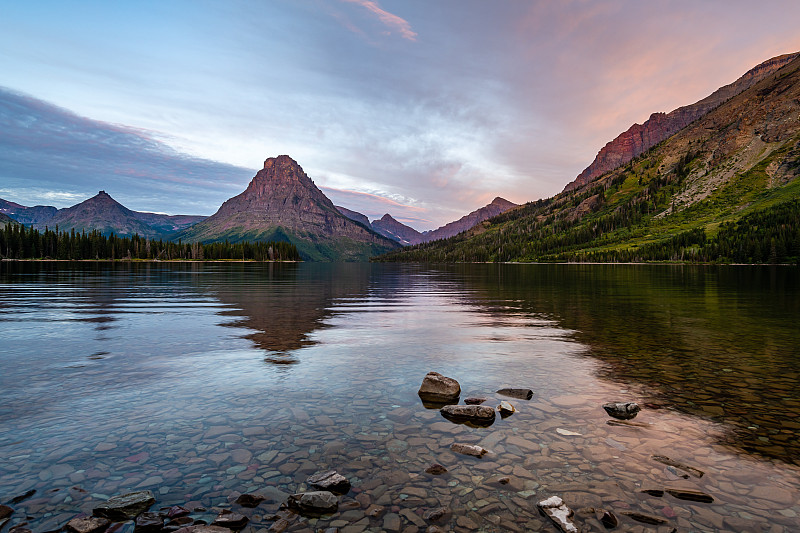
x: 390, y: 20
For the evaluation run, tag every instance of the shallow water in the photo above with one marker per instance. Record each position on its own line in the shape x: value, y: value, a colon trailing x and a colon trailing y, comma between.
x: 202, y: 381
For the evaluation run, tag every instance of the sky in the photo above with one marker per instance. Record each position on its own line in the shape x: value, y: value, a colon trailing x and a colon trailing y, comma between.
x: 420, y: 108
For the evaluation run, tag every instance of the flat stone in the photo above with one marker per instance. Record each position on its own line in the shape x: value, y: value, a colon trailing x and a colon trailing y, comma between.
x: 149, y: 522
x: 438, y: 514
x: 375, y: 511
x: 391, y: 522
x: 670, y: 462
x: 438, y: 388
x: 557, y: 511
x: 125, y: 506
x: 331, y: 481
x: 89, y: 524
x: 473, y: 400
x: 230, y: 520
x: 622, y: 410
x: 250, y: 500
x: 480, y: 415
x: 691, y: 495
x: 321, y: 501
x: 436, y: 469
x: 468, y: 449
x: 644, y: 518
x: 520, y: 394
x: 241, y: 456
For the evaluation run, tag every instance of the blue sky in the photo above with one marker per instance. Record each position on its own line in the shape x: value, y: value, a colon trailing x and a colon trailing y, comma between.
x: 423, y: 109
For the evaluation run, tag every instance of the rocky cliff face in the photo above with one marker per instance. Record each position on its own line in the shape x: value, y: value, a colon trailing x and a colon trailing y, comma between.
x: 281, y: 202
x: 354, y: 215
x: 641, y: 137
x: 397, y: 231
x: 497, y: 206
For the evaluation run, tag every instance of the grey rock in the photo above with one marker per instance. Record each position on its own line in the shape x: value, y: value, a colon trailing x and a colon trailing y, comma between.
x: 331, y: 481
x: 520, y: 394
x: 230, y: 520
x: 437, y: 388
x: 557, y: 511
x: 468, y: 449
x: 480, y: 415
x: 320, y: 501
x: 88, y: 524
x: 622, y: 410
x: 149, y: 522
x: 125, y: 506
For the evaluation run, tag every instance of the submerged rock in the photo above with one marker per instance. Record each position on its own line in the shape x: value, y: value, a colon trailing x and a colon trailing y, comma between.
x: 691, y: 495
x: 669, y: 462
x: 89, y: 524
x: 437, y: 388
x: 125, y: 506
x: 644, y: 518
x: 520, y: 394
x: 439, y: 514
x: 5, y: 511
x: 481, y: 415
x: 250, y: 500
x: 468, y: 449
x: 436, y: 469
x: 622, y: 410
x: 321, y: 501
x: 557, y: 511
x: 609, y: 520
x: 331, y: 481
x: 23, y: 497
x: 203, y: 529
x: 146, y: 522
x: 230, y: 520
x: 474, y: 400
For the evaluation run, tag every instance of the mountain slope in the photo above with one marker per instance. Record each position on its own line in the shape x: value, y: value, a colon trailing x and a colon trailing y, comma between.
x: 5, y: 220
x: 354, y: 215
x: 725, y: 188
x: 27, y: 215
x: 282, y: 203
x: 641, y: 137
x: 397, y: 231
x: 497, y: 206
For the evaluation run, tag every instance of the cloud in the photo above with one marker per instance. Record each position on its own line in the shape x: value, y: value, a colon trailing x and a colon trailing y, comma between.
x: 390, y: 20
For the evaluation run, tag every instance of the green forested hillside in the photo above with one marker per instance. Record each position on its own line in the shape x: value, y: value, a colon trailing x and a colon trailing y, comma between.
x: 723, y: 189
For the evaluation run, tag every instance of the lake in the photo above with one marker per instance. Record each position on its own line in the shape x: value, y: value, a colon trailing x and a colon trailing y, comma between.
x: 203, y: 381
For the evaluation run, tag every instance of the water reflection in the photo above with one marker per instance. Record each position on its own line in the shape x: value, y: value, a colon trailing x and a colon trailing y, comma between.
x: 716, y: 342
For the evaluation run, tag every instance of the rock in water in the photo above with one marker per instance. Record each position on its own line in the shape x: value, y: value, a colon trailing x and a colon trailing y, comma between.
x: 468, y: 449
x: 147, y: 522
x: 609, y: 520
x: 250, y: 500
x: 622, y: 410
x: 126, y: 506
x: 474, y: 400
x: 686, y: 468
x: 331, y: 481
x: 89, y: 524
x: 230, y: 520
x: 5, y: 511
x: 437, y: 388
x: 506, y: 409
x: 203, y: 529
x: 480, y: 415
x: 436, y: 469
x: 557, y: 511
x: 321, y: 501
x: 644, y: 518
x: 520, y: 394
x: 691, y: 495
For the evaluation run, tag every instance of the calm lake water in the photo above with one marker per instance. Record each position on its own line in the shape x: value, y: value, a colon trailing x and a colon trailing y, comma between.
x: 203, y: 381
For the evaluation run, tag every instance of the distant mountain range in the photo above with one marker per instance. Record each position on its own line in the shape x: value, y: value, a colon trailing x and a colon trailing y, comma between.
x: 715, y: 181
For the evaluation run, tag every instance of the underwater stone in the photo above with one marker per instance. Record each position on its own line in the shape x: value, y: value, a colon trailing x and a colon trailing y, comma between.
x: 557, y: 511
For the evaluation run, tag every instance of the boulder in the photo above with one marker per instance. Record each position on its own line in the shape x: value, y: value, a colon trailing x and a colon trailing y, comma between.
x: 557, y: 511
x: 230, y: 520
x: 437, y: 388
x: 5, y: 511
x: 146, y: 522
x: 88, y: 524
x: 321, y: 501
x: 177, y: 510
x: 468, y: 449
x: 250, y: 500
x: 480, y: 415
x: 622, y: 410
x: 520, y: 394
x: 125, y: 506
x: 331, y: 481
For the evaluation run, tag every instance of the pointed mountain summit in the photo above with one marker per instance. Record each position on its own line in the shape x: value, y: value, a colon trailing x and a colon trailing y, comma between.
x: 497, y: 206
x: 102, y: 213
x: 397, y: 231
x: 282, y: 203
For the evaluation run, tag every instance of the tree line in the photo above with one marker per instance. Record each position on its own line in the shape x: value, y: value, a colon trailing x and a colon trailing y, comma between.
x: 20, y: 242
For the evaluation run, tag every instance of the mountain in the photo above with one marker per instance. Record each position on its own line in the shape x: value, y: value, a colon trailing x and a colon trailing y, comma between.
x: 725, y: 188
x: 391, y: 228
x: 102, y: 213
x: 354, y: 215
x: 641, y: 137
x: 282, y: 203
x: 497, y: 206
x: 38, y: 214
x: 6, y: 220
x: 167, y: 224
